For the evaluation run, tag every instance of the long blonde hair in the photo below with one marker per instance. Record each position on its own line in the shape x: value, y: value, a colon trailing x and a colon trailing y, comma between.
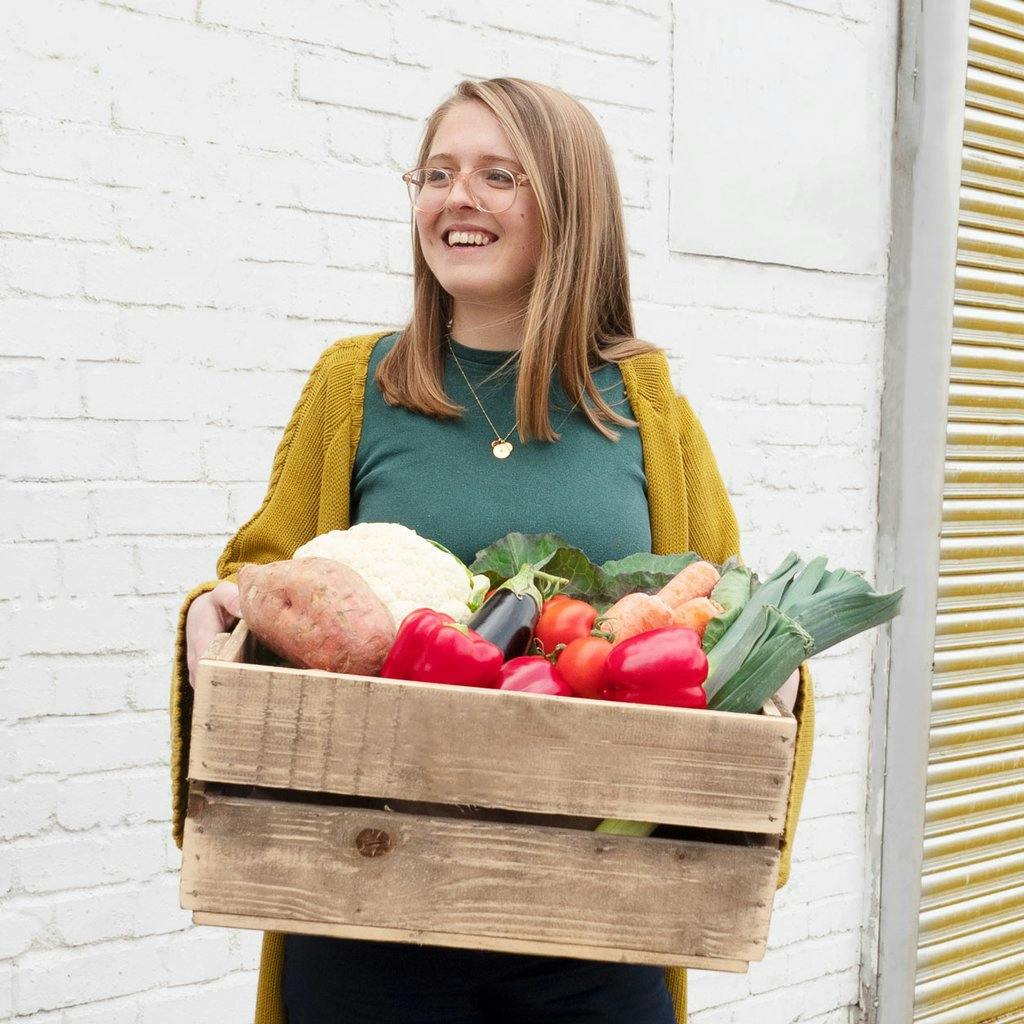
x: 578, y: 311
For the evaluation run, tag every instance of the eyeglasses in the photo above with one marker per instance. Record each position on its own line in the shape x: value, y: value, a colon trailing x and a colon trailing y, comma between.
x: 493, y: 189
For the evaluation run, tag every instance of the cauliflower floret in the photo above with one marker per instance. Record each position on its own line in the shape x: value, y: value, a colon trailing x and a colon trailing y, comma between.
x: 406, y: 571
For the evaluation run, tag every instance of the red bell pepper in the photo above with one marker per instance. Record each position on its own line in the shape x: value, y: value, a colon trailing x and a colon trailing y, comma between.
x: 533, y: 673
x: 431, y: 647
x: 660, y: 666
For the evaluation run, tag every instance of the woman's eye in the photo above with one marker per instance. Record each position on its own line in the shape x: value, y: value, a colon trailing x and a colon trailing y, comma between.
x: 502, y: 179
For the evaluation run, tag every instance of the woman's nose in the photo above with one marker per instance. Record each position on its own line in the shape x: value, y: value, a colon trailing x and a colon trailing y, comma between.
x: 460, y: 194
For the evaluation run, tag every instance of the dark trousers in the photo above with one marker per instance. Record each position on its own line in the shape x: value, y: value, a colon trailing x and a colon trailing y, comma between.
x: 356, y: 981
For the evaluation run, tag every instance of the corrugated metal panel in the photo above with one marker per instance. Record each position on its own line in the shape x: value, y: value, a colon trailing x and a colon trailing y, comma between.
x: 971, y: 939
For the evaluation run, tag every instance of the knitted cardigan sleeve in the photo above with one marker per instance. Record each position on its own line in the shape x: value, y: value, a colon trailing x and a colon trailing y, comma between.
x: 286, y: 519
x: 713, y: 530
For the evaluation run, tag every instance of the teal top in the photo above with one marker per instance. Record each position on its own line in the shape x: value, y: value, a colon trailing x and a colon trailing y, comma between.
x: 441, y: 479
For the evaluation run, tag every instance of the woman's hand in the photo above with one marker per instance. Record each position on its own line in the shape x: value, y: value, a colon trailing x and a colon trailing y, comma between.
x: 211, y: 613
x: 786, y: 693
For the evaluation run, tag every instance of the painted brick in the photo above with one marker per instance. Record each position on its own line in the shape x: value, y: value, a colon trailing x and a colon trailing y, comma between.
x: 56, y: 863
x: 6, y: 991
x: 110, y: 1011
x: 84, y: 918
x: 352, y: 27
x: 64, y: 977
x: 18, y: 930
x: 33, y: 326
x: 76, y: 626
x: 43, y: 512
x: 27, y: 806
x: 30, y: 570
x: 231, y: 998
x: 90, y: 743
x: 157, y: 510
x: 156, y: 906
x: 92, y: 801
x: 33, y: 389
x: 66, y: 449
x: 42, y: 267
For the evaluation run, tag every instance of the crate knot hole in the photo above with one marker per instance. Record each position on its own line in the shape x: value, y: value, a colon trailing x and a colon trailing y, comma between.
x: 373, y: 842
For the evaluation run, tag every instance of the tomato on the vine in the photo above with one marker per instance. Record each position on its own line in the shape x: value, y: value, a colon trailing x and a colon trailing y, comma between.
x: 581, y: 665
x: 563, y: 619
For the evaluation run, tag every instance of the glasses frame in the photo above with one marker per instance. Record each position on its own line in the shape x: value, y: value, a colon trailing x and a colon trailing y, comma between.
x: 518, y: 177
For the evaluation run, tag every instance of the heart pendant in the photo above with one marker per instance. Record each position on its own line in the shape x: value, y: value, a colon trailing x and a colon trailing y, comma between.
x: 501, y: 449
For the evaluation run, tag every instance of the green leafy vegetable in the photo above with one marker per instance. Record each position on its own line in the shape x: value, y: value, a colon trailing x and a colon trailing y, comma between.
x: 732, y: 592
x: 600, y: 585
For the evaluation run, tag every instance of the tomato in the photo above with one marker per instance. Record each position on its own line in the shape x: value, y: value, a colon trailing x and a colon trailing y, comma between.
x: 581, y: 665
x: 563, y: 619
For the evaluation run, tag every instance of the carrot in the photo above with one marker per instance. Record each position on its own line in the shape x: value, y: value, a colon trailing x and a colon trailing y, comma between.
x: 698, y: 579
x: 635, y: 613
x: 696, y: 613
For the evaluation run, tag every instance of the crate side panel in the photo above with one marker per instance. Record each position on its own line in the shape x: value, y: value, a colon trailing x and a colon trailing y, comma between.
x: 348, y: 866
x: 318, y: 731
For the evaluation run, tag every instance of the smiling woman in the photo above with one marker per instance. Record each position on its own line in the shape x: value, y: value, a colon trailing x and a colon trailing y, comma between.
x: 493, y: 409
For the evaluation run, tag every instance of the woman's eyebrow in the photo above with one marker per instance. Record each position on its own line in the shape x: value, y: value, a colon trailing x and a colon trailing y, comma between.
x: 482, y: 157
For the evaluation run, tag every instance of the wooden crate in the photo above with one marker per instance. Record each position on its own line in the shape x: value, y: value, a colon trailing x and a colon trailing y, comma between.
x: 295, y: 776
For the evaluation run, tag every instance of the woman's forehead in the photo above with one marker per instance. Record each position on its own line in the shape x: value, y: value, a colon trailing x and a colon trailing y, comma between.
x: 480, y: 157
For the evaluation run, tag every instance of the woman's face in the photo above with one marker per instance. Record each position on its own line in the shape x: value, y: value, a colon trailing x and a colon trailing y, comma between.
x: 498, y: 273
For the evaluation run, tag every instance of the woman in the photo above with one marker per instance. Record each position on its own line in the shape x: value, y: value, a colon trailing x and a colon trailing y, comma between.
x: 488, y: 412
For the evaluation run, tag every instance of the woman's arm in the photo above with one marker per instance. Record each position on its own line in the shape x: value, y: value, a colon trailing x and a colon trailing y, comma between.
x: 286, y: 519
x: 713, y: 530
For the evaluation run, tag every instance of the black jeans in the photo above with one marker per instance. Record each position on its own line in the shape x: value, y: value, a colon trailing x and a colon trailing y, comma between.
x: 357, y: 981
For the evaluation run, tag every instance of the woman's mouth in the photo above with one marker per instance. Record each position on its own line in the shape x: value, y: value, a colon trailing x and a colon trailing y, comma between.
x: 467, y: 241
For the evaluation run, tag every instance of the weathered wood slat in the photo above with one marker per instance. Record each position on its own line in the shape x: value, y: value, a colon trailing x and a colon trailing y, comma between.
x: 522, y: 888
x: 318, y: 731
x: 503, y: 945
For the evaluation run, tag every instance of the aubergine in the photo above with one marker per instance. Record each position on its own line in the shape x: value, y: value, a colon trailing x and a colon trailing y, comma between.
x: 508, y: 617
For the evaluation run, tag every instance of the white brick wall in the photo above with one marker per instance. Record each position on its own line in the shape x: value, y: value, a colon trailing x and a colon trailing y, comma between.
x: 196, y: 196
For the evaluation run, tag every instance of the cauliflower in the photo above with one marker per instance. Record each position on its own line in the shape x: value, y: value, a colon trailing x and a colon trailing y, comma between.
x: 406, y: 571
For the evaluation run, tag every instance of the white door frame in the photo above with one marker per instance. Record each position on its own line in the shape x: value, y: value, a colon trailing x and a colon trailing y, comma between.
x: 927, y: 141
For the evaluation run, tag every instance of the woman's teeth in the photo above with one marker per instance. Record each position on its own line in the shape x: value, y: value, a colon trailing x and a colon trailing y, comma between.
x: 465, y: 238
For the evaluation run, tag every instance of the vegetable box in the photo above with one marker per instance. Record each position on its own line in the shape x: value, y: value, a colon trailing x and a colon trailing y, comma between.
x: 290, y: 824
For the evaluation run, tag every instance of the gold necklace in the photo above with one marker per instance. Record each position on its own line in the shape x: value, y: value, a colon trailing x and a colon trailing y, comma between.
x: 501, y: 447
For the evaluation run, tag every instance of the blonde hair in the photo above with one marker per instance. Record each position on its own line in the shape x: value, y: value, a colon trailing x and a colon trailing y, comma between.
x: 578, y: 314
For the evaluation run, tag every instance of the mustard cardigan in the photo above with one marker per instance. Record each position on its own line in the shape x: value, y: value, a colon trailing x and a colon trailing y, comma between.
x: 308, y: 494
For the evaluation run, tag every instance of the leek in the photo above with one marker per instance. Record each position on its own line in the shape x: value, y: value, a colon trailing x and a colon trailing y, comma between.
x: 617, y: 827
x: 775, y: 660
x: 741, y: 638
x: 732, y: 592
x: 799, y: 611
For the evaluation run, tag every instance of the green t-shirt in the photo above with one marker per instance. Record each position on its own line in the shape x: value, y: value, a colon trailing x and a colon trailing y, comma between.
x: 440, y: 478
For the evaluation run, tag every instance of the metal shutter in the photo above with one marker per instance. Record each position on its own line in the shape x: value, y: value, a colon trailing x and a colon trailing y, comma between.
x: 970, y: 964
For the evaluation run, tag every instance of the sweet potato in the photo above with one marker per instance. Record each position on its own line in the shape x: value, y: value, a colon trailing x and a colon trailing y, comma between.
x: 317, y: 613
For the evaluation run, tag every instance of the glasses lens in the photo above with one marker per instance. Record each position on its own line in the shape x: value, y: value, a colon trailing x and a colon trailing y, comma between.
x: 494, y: 188
x: 428, y: 189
